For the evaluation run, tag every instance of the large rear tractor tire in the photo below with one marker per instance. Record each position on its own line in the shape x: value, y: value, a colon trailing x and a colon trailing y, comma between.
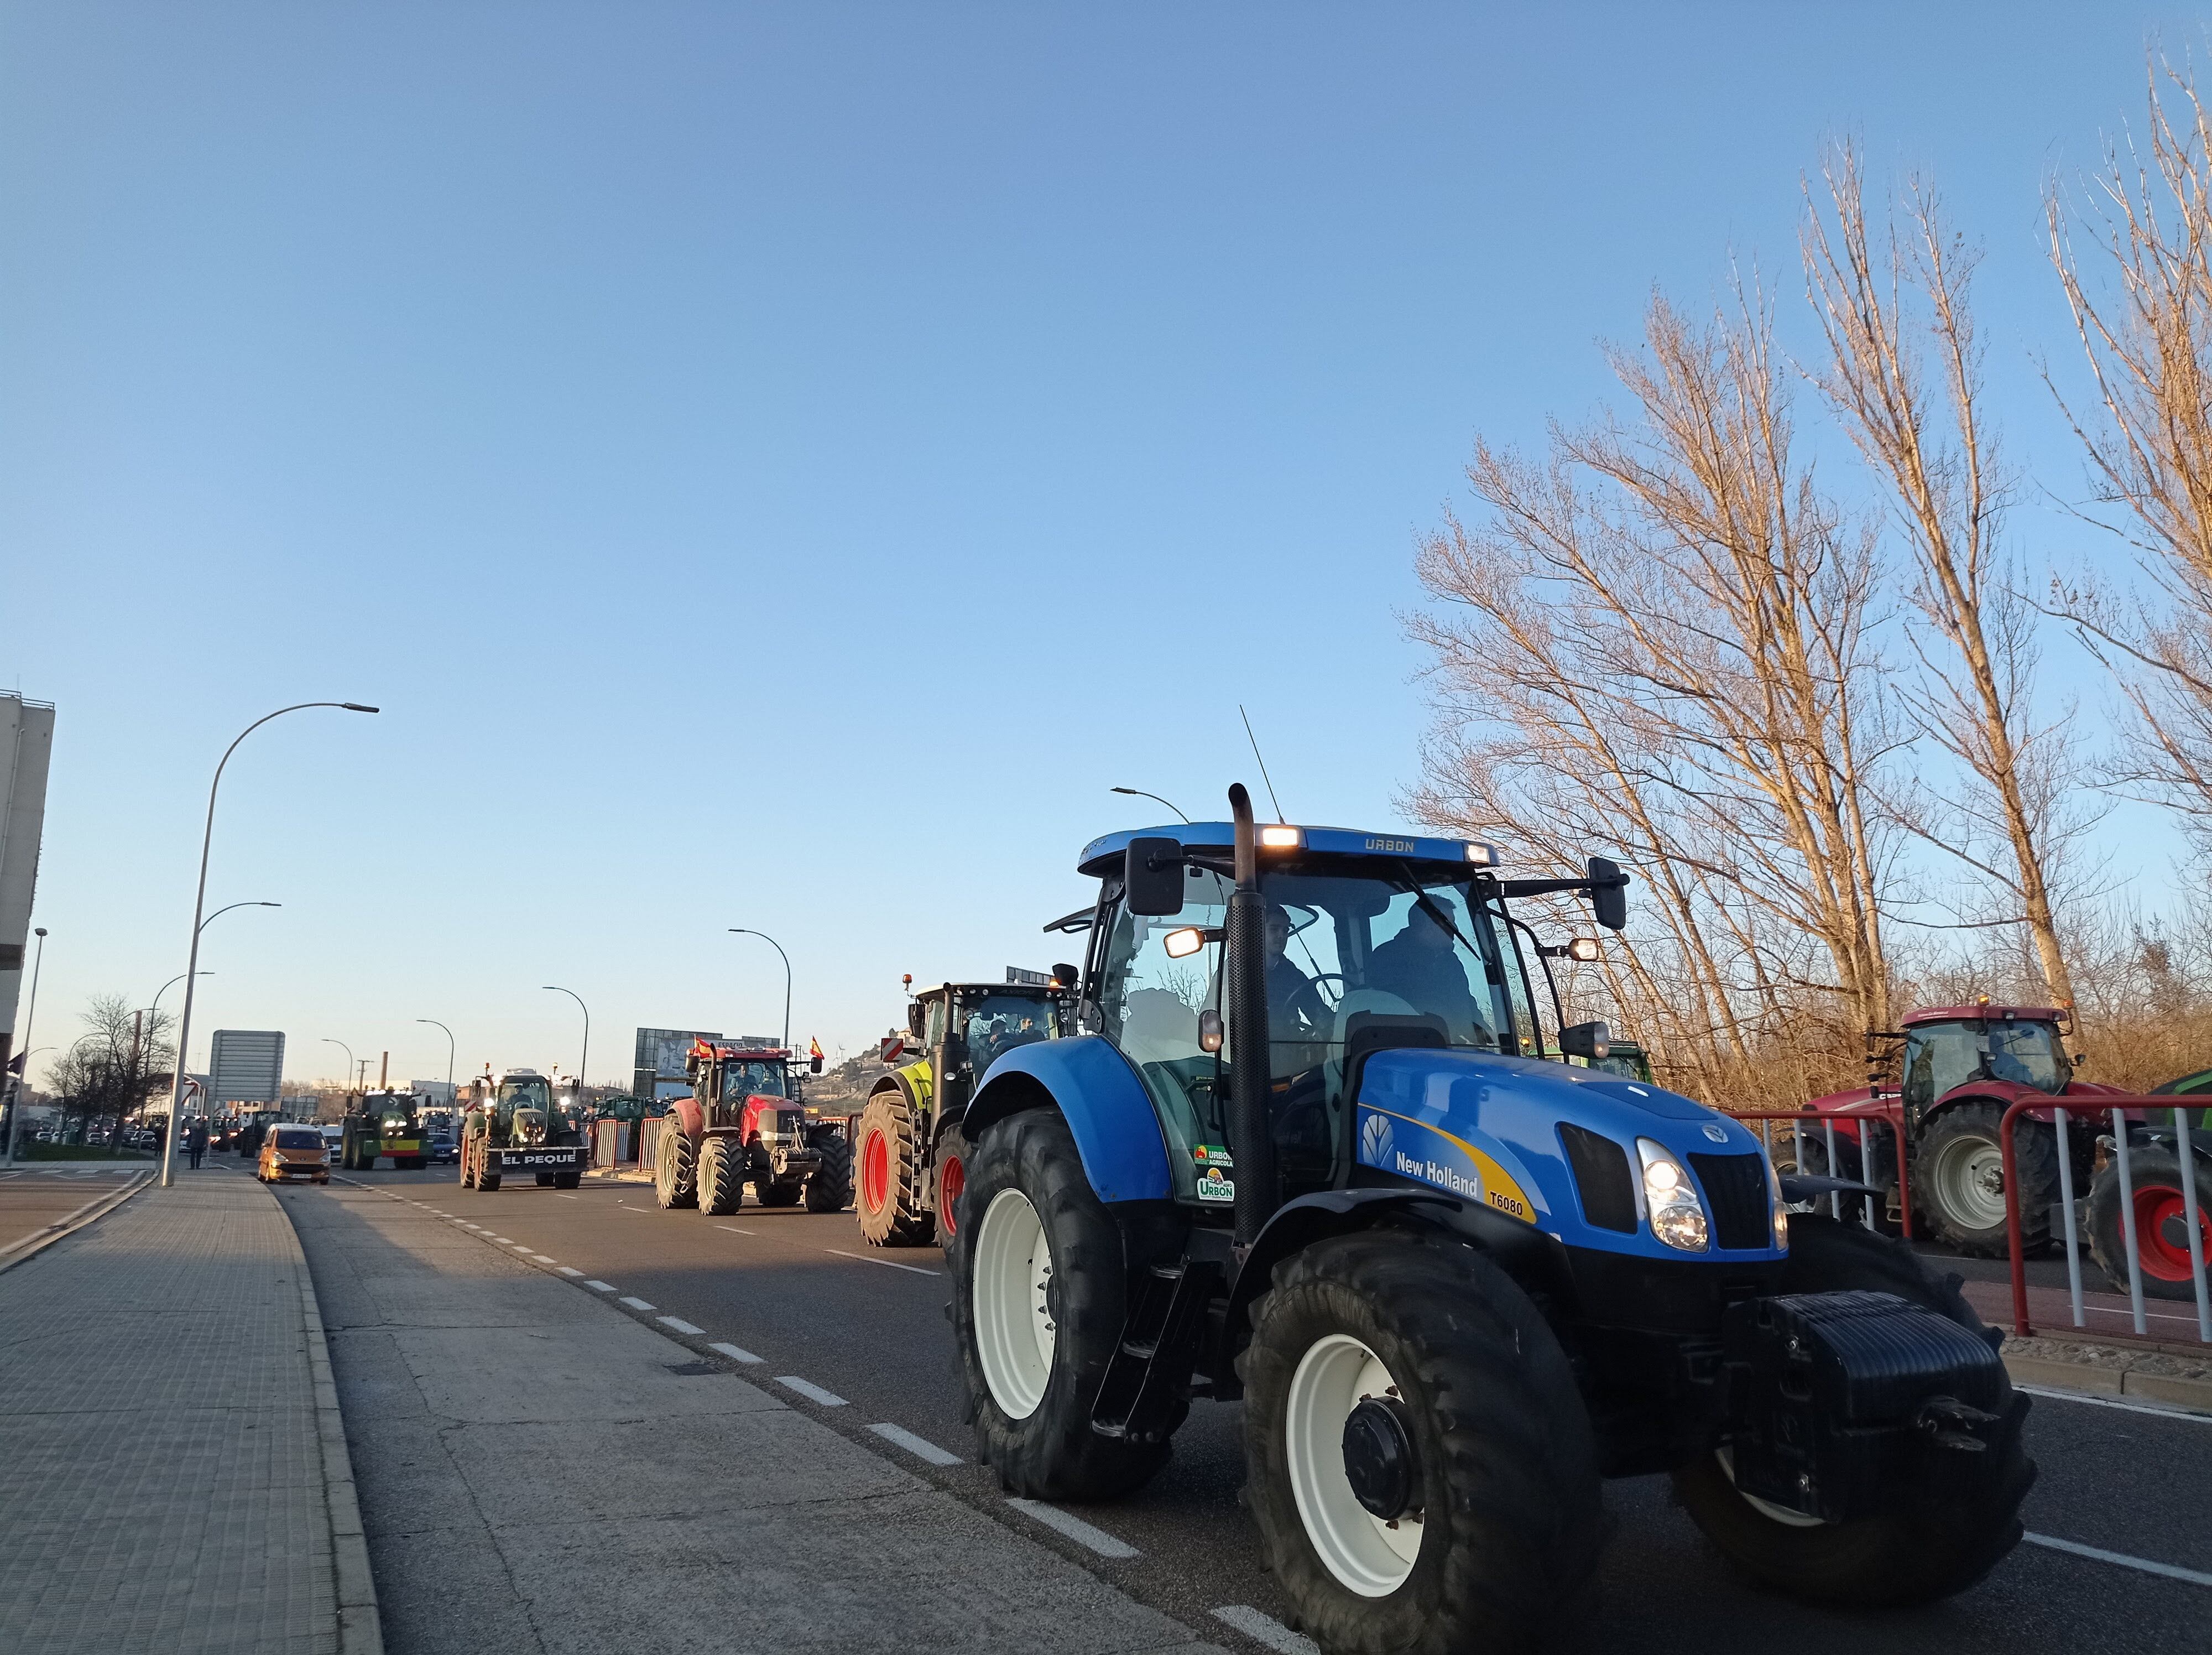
x: 888, y: 1158
x: 1959, y: 1180
x: 1936, y: 1539
x: 545, y: 1180
x: 1422, y: 1471
x: 953, y: 1154
x: 674, y: 1171
x: 1040, y: 1288
x: 720, y: 1182
x: 2161, y: 1221
x: 830, y: 1189
x: 487, y: 1181
x: 567, y: 1180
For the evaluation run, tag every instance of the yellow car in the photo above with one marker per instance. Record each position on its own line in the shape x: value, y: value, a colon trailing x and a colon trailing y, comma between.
x: 292, y: 1151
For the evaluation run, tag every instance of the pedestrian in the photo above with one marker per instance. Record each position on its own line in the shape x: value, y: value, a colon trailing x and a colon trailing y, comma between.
x: 196, y: 1142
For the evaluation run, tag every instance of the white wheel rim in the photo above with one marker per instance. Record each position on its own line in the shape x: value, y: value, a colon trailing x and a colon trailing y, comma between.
x: 1014, y: 1330
x: 1365, y: 1553
x: 1767, y: 1508
x: 1971, y: 1176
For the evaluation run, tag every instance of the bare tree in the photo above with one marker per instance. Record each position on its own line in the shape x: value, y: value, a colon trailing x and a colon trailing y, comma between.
x: 1658, y: 640
x: 2146, y: 328
x: 110, y: 1071
x: 1874, y: 291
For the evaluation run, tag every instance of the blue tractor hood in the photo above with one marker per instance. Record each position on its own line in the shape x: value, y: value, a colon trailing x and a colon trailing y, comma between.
x: 1488, y: 1129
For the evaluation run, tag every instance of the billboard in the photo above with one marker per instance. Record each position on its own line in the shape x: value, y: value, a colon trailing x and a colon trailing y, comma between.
x: 27, y: 741
x: 248, y: 1065
x: 658, y: 1071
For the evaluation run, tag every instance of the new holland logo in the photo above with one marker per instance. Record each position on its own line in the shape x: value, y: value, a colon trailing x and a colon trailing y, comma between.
x: 1376, y: 1141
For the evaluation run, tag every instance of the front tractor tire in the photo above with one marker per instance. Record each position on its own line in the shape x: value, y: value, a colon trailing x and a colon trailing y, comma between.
x: 890, y: 1166
x: 830, y: 1189
x: 1960, y: 1180
x: 2161, y: 1222
x: 1422, y: 1471
x: 1039, y: 1291
x: 720, y: 1175
x: 675, y: 1172
x: 1937, y: 1537
x: 953, y: 1152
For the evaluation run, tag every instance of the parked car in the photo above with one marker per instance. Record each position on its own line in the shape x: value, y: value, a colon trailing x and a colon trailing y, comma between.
x: 290, y: 1152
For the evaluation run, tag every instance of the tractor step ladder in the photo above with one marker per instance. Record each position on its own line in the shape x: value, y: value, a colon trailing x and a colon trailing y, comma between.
x: 1151, y: 1367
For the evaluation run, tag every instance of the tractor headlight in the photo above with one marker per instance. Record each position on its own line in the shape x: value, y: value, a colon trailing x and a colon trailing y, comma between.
x: 1780, y: 1212
x: 1670, y: 1200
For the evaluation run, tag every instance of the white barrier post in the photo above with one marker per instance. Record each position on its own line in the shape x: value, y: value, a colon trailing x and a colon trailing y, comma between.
x: 2187, y: 1159
x: 2066, y: 1213
x: 2128, y: 1219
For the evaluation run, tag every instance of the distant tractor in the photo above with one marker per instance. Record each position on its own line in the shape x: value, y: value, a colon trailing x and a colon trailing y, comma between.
x: 909, y: 1149
x: 513, y: 1125
x: 386, y: 1123
x: 745, y: 1123
x: 1626, y: 1059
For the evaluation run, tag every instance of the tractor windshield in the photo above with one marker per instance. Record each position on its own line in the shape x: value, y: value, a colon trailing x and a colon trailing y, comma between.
x: 1347, y: 949
x: 1939, y: 1056
x: 533, y: 1092
x: 994, y: 1025
x: 753, y: 1077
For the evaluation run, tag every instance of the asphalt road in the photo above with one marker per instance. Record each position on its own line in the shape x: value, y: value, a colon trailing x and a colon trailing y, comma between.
x: 803, y: 1292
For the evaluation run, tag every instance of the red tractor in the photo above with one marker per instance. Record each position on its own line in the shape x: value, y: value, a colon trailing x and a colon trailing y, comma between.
x: 745, y: 1123
x: 1964, y: 1066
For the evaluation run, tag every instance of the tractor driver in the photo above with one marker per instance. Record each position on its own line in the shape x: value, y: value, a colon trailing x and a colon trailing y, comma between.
x: 1294, y: 1005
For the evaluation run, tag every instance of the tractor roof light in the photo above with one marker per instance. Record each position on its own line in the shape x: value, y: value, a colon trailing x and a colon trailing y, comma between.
x: 1482, y: 856
x: 1279, y: 837
x: 1584, y: 949
x: 1671, y: 1200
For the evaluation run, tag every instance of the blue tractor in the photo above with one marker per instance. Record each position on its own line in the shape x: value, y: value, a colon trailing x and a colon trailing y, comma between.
x: 1305, y: 1149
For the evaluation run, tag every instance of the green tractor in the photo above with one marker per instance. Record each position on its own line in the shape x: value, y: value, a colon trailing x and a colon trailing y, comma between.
x: 909, y: 1152
x: 386, y: 1123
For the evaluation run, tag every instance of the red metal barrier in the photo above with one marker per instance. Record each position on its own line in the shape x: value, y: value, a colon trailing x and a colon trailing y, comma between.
x: 1892, y: 1116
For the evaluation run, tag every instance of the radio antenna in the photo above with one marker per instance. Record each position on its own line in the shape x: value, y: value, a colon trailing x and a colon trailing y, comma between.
x: 1262, y: 763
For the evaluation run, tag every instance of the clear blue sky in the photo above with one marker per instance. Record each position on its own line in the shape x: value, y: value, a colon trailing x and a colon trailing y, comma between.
x: 779, y: 467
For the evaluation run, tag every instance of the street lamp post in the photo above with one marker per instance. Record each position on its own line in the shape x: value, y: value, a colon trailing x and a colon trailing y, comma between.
x: 348, y: 1086
x: 435, y: 1024
x: 22, y: 1073
x: 555, y: 988
x: 1139, y: 793
x: 170, y: 984
x: 742, y: 931
x: 200, y: 918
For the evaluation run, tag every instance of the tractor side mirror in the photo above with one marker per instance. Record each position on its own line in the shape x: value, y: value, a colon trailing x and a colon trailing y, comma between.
x: 1608, y: 893
x: 1152, y: 876
x: 914, y: 1017
x: 814, y: 1064
x: 1590, y: 1040
x: 1209, y: 1029
x: 1067, y: 976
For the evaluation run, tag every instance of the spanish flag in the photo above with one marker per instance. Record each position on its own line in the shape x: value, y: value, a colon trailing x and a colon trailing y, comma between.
x: 814, y: 1048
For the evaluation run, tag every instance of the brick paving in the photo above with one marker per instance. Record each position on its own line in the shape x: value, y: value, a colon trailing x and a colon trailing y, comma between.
x: 162, y: 1479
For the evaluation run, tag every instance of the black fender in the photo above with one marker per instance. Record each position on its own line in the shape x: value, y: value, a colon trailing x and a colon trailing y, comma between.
x: 1536, y: 1261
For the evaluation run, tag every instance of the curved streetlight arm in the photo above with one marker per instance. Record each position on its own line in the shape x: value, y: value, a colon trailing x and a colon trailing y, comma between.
x: 1139, y: 793
x: 170, y: 984
x: 582, y: 1066
x: 746, y: 931
x: 450, y: 1048
x: 200, y: 917
x: 220, y: 912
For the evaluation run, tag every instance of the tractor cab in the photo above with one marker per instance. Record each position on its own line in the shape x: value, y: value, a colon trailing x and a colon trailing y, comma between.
x: 1947, y: 1047
x: 1628, y: 1060
x: 520, y: 1103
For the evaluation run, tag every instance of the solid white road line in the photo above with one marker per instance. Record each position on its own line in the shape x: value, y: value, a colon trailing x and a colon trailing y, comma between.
x: 2171, y: 1571
x: 735, y: 1353
x: 733, y: 1229
x: 635, y: 1303
x: 811, y: 1391
x: 601, y: 1287
x: 570, y: 1270
x: 571, y: 1198
x: 1266, y: 1629
x: 2114, y: 1401
x: 679, y: 1324
x: 1075, y: 1529
x: 864, y: 1259
x: 920, y: 1447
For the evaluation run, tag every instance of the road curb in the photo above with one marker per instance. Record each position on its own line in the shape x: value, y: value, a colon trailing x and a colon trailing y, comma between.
x: 61, y: 1229
x: 360, y: 1630
x: 2091, y: 1379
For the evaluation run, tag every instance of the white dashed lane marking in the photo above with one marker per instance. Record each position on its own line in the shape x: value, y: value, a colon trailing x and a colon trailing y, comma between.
x: 635, y: 1303
x: 809, y: 1389
x: 1266, y: 1629
x: 735, y: 1353
x: 570, y: 1269
x: 920, y: 1447
x: 863, y: 1258
x: 733, y: 1229
x: 2171, y: 1571
x: 541, y: 1259
x: 1075, y: 1529
x: 601, y: 1287
x: 679, y: 1324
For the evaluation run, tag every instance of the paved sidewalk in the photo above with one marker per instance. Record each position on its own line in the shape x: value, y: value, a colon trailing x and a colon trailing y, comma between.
x: 539, y: 1472
x: 162, y: 1471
